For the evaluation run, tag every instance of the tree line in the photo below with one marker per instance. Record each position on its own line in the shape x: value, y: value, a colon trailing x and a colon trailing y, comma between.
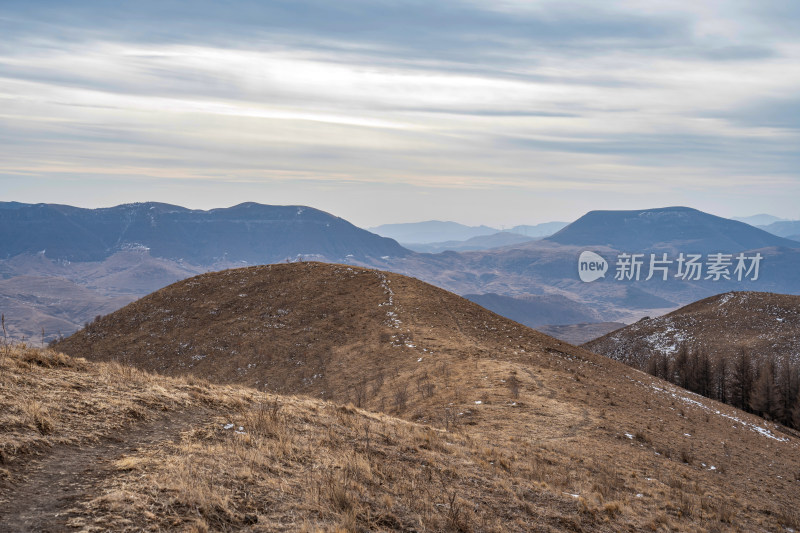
x: 768, y: 387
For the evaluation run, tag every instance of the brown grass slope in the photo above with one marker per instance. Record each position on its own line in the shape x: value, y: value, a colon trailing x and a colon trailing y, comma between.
x: 634, y: 451
x: 764, y: 324
x: 102, y: 447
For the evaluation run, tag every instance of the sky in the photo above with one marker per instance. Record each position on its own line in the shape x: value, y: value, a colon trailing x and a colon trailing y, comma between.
x: 499, y: 112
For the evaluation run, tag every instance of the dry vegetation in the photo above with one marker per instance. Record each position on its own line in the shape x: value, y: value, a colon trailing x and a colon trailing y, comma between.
x: 48, y: 399
x: 260, y: 462
x: 741, y: 348
x: 470, y: 423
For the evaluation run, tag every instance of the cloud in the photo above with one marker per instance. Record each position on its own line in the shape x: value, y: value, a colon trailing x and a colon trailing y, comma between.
x: 765, y: 112
x: 575, y: 95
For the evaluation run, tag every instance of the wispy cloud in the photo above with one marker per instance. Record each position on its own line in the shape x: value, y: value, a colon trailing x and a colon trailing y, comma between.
x: 684, y: 100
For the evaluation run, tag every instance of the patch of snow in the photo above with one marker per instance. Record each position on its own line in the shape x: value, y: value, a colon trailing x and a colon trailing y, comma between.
x: 419, y: 360
x: 725, y: 298
x: 629, y: 435
x: 753, y: 427
x: 478, y: 402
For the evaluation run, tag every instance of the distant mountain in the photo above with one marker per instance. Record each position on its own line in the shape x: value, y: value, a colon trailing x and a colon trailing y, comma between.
x: 670, y: 229
x: 481, y: 242
x: 580, y: 333
x: 544, y: 229
x: 536, y: 310
x: 431, y: 231
x: 758, y: 220
x: 142, y: 247
x: 784, y: 228
x: 551, y: 264
x: 436, y: 232
x: 249, y: 232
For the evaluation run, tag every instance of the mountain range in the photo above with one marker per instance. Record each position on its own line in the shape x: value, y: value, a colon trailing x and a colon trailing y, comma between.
x: 775, y: 225
x: 125, y: 252
x: 784, y: 228
x: 759, y: 220
x: 439, y: 232
x: 248, y: 233
x: 550, y: 266
x: 481, y: 242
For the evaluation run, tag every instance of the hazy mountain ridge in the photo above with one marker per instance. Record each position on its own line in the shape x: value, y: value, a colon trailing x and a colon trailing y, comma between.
x: 544, y: 267
x: 249, y: 232
x: 759, y: 220
x: 551, y: 265
x: 481, y: 242
x: 536, y: 310
x: 784, y: 228
x: 437, y: 231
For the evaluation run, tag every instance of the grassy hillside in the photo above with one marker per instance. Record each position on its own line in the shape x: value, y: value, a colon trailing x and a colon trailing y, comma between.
x: 132, y: 451
x: 568, y: 439
x: 742, y: 348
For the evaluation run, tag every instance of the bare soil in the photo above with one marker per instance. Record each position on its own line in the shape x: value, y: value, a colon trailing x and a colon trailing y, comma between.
x: 65, y: 475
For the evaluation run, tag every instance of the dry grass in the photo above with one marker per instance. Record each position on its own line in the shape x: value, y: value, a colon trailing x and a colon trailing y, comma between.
x: 262, y: 462
x: 49, y: 398
x: 573, y: 442
x: 336, y: 467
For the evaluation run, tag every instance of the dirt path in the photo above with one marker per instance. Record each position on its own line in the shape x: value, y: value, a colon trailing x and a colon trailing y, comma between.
x: 69, y: 474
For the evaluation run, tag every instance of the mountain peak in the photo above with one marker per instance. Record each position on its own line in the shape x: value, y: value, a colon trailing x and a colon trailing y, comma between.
x: 668, y: 229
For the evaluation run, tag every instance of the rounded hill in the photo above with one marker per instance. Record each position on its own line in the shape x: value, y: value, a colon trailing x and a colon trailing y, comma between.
x: 306, y: 327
